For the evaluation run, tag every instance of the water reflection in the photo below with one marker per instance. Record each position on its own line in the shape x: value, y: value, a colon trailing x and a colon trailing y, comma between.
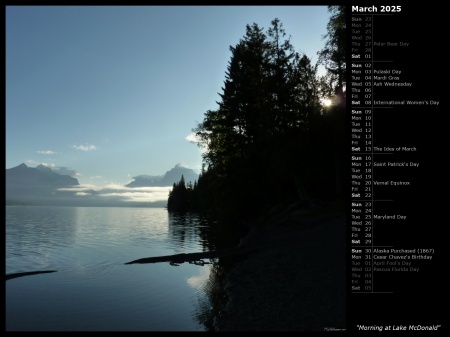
x: 197, y: 281
x: 192, y: 230
x: 213, y: 296
x: 93, y: 289
x: 36, y: 233
x: 210, y: 234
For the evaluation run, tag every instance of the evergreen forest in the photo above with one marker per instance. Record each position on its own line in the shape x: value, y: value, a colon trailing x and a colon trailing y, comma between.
x: 272, y: 140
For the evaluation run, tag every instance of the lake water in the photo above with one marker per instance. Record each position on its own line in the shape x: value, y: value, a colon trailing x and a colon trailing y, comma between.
x: 92, y: 288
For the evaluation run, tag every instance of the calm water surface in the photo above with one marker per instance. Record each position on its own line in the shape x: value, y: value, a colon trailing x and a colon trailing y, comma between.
x: 92, y: 288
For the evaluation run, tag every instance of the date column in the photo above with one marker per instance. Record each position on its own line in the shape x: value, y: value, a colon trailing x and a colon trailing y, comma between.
x: 361, y: 113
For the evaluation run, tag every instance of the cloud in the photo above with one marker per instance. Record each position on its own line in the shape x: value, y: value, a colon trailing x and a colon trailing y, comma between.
x: 62, y: 170
x: 85, y: 148
x: 83, y: 194
x: 46, y: 152
x: 137, y: 194
x: 119, y: 193
x: 192, y: 138
x: 146, y: 177
x: 66, y: 171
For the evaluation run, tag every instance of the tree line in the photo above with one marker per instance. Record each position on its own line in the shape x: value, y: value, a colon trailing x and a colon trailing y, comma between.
x: 272, y: 140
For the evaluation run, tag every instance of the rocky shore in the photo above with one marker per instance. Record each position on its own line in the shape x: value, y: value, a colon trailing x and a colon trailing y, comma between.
x: 294, y: 282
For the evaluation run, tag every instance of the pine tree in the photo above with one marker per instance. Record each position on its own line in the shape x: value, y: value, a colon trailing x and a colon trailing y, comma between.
x: 178, y: 197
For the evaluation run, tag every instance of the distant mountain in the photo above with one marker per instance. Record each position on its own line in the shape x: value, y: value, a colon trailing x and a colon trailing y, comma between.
x: 168, y: 179
x: 41, y: 186
x: 40, y: 176
x: 37, y: 186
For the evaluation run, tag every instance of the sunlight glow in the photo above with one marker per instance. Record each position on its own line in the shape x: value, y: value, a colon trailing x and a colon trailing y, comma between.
x: 326, y: 102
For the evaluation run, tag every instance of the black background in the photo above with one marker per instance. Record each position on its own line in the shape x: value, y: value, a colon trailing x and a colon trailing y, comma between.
x: 417, y: 299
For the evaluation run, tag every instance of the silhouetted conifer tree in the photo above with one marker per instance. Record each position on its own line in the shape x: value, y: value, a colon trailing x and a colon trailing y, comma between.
x: 271, y: 141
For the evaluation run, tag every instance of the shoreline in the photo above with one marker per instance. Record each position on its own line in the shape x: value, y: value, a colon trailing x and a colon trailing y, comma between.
x: 294, y: 282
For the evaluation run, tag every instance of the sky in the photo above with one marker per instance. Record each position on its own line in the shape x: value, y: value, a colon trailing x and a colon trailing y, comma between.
x: 106, y: 93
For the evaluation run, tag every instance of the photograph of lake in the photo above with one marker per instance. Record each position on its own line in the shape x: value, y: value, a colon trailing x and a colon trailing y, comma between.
x: 176, y: 168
